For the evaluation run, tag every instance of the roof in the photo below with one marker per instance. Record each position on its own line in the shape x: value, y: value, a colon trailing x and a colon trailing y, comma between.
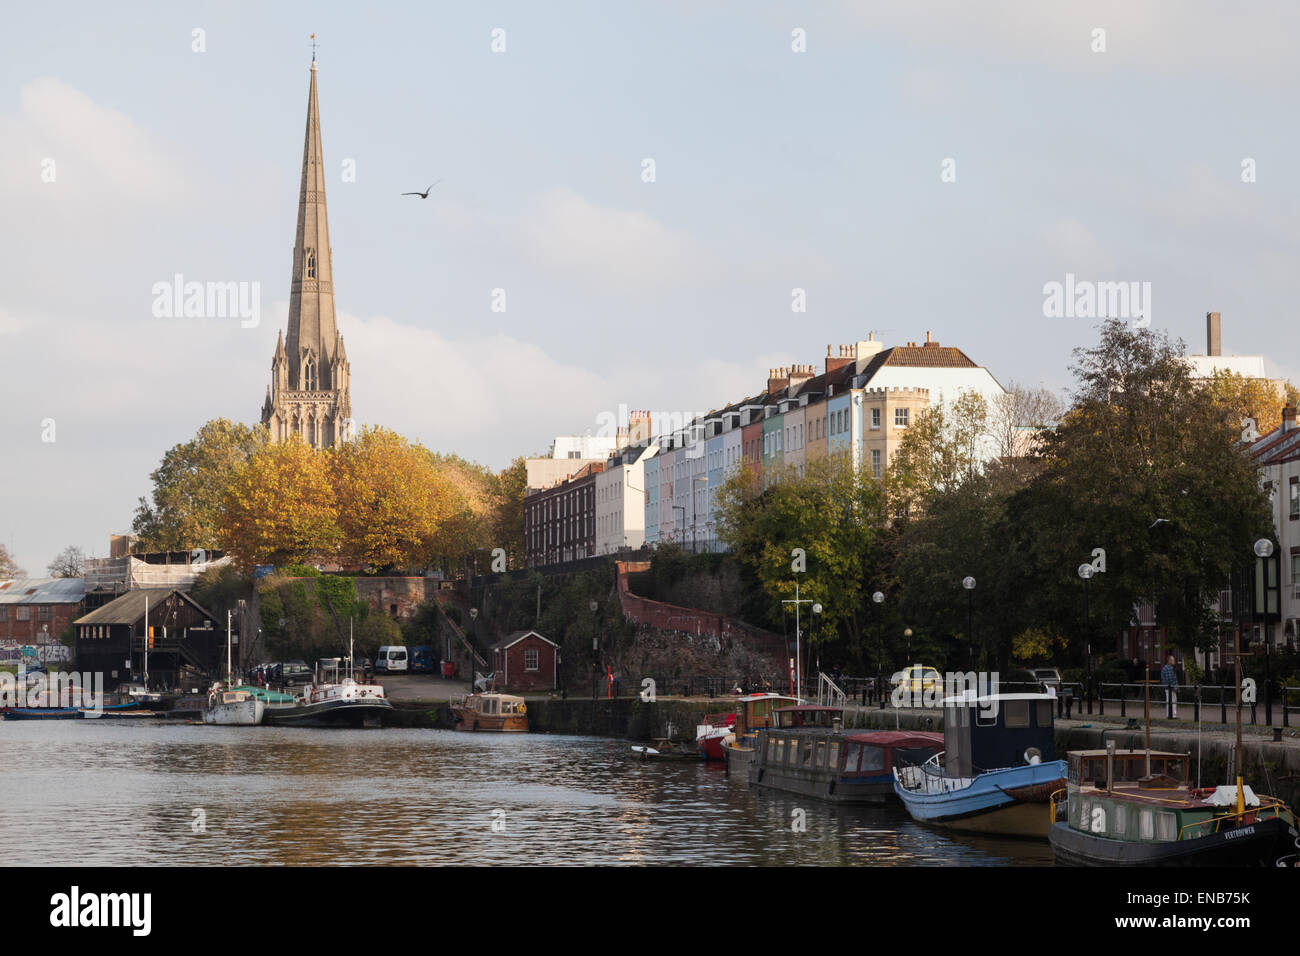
x: 514, y: 638
x: 807, y: 707
x: 130, y: 607
x: 43, y: 591
x: 895, y: 738
x: 929, y: 355
x: 970, y: 698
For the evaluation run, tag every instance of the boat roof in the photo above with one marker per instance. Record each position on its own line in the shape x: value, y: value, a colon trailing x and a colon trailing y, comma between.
x: 747, y: 698
x: 971, y: 698
x: 895, y: 738
x: 803, y: 707
x: 1126, y: 753
x: 499, y: 696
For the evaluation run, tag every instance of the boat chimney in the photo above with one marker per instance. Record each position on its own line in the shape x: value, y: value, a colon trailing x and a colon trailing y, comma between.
x: 1110, y: 765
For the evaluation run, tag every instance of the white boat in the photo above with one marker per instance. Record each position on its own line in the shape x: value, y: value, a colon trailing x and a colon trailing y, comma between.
x: 233, y: 708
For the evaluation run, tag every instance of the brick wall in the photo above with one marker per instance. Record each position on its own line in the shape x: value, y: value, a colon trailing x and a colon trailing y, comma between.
x: 54, y: 617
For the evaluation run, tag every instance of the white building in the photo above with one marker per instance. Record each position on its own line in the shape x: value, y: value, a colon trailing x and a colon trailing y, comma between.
x: 621, y: 501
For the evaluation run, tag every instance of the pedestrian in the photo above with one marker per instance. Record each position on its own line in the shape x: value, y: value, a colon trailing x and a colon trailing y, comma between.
x: 1169, y: 678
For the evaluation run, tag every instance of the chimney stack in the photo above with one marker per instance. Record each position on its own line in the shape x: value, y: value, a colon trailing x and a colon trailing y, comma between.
x: 1288, y: 418
x: 1213, y: 343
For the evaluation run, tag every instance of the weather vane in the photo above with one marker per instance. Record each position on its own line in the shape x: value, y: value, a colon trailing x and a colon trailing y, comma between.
x: 313, y: 48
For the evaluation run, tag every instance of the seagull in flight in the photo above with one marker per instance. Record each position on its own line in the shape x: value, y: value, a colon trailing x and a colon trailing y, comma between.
x: 423, y: 195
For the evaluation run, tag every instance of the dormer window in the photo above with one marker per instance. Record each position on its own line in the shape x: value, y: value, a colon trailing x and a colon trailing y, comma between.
x: 311, y: 263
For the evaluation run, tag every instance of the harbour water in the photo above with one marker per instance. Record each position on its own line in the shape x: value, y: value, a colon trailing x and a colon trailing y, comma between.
x: 110, y: 793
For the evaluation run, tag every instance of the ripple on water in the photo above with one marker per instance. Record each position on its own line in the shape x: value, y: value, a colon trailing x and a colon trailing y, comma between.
x: 110, y: 793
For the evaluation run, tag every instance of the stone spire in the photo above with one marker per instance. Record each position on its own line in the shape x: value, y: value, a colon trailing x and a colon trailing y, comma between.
x: 309, y: 371
x: 312, y: 328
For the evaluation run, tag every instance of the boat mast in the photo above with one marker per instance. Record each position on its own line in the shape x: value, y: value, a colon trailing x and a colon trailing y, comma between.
x: 350, y: 660
x: 146, y: 641
x: 1236, y: 666
x: 228, y: 675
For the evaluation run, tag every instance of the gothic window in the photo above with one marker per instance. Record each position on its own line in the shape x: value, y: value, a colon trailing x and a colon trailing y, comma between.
x: 309, y: 375
x: 311, y: 263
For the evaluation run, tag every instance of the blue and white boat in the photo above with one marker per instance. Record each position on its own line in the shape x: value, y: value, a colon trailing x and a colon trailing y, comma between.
x: 997, y: 772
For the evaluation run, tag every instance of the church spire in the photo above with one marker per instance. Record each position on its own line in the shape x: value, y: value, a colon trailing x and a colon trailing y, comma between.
x: 312, y: 326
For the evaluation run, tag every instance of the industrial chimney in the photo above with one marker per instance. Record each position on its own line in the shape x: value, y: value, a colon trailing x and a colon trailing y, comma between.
x: 1213, y: 343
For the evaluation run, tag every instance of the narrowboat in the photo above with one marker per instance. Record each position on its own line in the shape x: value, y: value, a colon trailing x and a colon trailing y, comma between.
x: 808, y: 753
x: 1136, y: 808
x: 343, y: 704
x: 42, y: 713
x: 752, y: 712
x: 497, y: 712
x: 997, y: 771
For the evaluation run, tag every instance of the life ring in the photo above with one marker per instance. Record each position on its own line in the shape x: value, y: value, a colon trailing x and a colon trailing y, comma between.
x: 523, y: 708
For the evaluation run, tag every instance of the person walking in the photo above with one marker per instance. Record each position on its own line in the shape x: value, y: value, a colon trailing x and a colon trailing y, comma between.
x: 1169, y: 678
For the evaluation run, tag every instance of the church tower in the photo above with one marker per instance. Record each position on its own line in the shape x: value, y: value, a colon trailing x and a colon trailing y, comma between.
x: 310, y: 393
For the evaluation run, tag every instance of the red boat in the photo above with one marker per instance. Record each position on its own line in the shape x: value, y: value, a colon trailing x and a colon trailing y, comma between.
x: 752, y: 712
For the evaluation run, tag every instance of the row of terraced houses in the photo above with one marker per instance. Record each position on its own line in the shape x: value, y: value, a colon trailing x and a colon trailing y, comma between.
x: 645, y: 488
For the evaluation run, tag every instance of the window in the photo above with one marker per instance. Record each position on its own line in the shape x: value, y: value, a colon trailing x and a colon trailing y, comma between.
x: 833, y: 760
x: 851, y: 758
x: 1017, y: 712
x: 43, y: 612
x: 1166, y: 826
x: 1295, y: 570
x: 1119, y: 815
x: 1044, y: 718
x: 875, y: 462
x: 875, y: 418
x: 311, y: 263
x: 4, y: 613
x: 1295, y: 497
x: 900, y: 417
x: 873, y: 759
x: 1146, y: 824
x: 530, y: 659
x: 24, y: 613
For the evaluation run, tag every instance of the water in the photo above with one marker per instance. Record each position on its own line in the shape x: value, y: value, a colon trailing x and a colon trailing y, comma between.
x: 114, y: 793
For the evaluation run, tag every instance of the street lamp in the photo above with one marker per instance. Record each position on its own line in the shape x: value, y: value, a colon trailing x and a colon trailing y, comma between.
x: 878, y: 598
x: 1264, y: 551
x: 968, y: 583
x: 595, y: 654
x: 1086, y: 571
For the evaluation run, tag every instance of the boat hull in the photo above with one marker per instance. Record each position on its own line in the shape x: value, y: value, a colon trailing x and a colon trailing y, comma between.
x: 243, y: 713
x: 42, y: 713
x: 371, y: 712
x: 1011, y: 802
x: 1257, y: 844
x: 469, y: 719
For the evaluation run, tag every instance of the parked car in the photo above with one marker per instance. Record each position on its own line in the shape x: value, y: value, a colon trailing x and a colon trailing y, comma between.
x: 421, y: 659
x: 294, y: 672
x: 1047, y: 676
x: 917, y: 678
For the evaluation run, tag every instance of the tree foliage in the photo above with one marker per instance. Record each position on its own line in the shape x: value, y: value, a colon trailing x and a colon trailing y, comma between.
x: 69, y: 563
x: 9, y: 568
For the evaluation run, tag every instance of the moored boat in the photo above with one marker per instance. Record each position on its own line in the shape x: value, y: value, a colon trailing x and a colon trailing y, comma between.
x: 490, y: 711
x: 807, y: 752
x: 42, y: 713
x: 1137, y: 808
x: 343, y: 704
x: 234, y: 708
x: 720, y: 733
x: 997, y: 771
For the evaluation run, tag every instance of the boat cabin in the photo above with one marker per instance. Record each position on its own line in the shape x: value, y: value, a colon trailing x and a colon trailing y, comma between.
x: 496, y: 705
x: 878, y: 752
x: 1100, y: 770
x: 758, y: 710
x: 809, y: 716
x: 994, y: 731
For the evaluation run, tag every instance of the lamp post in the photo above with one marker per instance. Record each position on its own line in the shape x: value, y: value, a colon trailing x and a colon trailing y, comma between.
x: 595, y: 657
x: 1086, y: 572
x: 878, y: 598
x: 1264, y: 551
x: 968, y: 583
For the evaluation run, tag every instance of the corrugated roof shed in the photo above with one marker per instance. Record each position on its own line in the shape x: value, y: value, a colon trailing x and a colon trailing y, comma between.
x: 43, y: 591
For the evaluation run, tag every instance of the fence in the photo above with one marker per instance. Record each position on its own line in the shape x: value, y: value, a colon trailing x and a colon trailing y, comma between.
x: 1221, y: 702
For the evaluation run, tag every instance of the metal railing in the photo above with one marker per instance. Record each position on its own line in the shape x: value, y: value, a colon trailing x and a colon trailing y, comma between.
x: 1206, y: 701
x: 829, y: 693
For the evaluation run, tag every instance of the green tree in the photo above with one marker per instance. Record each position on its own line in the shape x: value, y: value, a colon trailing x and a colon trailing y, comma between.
x: 189, y: 486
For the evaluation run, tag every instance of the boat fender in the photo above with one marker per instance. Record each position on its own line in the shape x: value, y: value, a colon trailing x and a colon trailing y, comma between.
x: 1033, y: 756
x: 523, y: 708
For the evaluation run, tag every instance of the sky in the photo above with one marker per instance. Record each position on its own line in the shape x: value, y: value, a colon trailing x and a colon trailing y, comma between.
x: 911, y: 167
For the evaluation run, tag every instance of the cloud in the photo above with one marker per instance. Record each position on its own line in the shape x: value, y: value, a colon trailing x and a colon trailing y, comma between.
x: 1192, y: 35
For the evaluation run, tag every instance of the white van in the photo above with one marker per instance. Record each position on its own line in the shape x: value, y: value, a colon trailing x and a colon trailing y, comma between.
x: 391, y: 660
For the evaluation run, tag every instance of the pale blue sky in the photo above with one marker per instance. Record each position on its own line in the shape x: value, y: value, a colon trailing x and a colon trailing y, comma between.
x: 775, y: 170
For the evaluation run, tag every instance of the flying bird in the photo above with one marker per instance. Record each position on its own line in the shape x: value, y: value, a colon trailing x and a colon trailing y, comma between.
x: 423, y: 195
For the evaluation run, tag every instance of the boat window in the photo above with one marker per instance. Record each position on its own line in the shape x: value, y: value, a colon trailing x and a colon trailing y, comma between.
x: 1166, y: 826
x: 1120, y: 819
x: 1017, y: 712
x: 851, y: 757
x: 912, y: 756
x: 820, y: 759
x: 834, y: 759
x: 1044, y: 716
x: 873, y: 758
x: 771, y: 750
x: 1084, y: 814
x: 780, y: 751
x: 1146, y: 824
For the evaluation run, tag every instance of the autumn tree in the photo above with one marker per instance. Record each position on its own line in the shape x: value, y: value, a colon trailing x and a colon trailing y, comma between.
x: 1257, y: 398
x: 189, y: 487
x: 391, y: 500
x: 279, y: 507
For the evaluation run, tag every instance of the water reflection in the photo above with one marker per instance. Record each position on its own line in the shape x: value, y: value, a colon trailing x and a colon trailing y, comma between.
x: 112, y: 793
